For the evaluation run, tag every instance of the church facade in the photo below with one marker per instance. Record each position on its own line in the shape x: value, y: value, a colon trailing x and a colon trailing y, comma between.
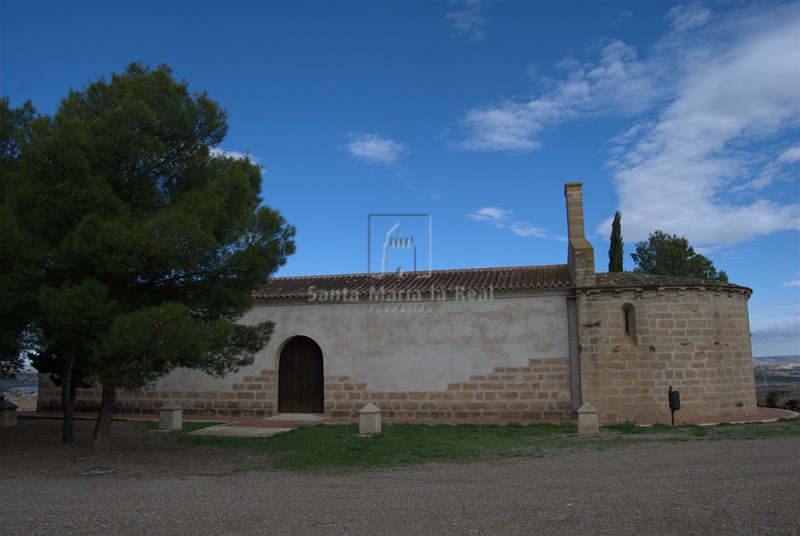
x: 527, y: 343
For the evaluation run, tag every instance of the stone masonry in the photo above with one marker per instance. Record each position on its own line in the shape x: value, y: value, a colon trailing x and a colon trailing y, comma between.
x: 539, y: 391
x: 526, y: 342
x: 581, y: 252
x: 694, y: 338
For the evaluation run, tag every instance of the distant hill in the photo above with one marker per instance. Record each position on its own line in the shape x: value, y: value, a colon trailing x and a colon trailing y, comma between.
x: 777, y: 360
x: 23, y: 379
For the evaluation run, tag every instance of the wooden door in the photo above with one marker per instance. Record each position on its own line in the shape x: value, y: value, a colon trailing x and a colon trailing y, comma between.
x: 300, y: 383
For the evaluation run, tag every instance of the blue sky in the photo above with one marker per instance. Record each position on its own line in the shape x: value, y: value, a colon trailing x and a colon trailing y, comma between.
x: 684, y: 116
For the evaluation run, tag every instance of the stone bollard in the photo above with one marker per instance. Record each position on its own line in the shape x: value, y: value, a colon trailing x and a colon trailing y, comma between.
x: 170, y: 417
x: 8, y: 413
x: 778, y: 398
x: 369, y: 420
x: 588, y: 423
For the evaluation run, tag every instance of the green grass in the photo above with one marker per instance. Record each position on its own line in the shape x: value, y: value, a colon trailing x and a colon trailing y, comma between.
x: 339, y: 446
x: 782, y: 428
x: 633, y: 428
x: 331, y: 446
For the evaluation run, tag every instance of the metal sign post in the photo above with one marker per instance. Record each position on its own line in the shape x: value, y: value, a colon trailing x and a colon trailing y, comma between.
x: 674, y: 402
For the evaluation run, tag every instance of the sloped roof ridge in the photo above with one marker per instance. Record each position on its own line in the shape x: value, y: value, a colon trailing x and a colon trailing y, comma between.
x: 502, y: 278
x: 441, y: 271
x: 628, y: 279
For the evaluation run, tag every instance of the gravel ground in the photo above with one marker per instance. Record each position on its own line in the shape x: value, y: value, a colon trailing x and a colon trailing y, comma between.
x: 160, y: 487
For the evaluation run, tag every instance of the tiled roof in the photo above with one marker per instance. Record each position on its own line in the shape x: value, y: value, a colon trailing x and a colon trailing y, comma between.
x: 503, y: 279
x: 514, y: 278
x: 635, y: 279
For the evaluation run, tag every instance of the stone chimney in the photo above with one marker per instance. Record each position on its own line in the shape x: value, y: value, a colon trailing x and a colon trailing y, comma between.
x: 581, y: 252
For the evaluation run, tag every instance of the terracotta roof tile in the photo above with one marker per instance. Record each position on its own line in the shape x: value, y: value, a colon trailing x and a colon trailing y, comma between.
x: 513, y: 278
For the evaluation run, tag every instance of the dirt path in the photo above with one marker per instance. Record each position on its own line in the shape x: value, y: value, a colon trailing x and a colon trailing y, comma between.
x: 161, y: 487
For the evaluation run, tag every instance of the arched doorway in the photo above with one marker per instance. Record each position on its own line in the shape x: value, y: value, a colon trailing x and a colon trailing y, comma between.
x: 300, y: 382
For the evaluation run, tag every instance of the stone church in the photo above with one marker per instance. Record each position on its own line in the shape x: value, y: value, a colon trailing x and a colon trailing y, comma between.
x: 521, y: 342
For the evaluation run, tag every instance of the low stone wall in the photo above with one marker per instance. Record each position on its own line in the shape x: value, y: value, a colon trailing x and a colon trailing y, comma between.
x: 539, y: 391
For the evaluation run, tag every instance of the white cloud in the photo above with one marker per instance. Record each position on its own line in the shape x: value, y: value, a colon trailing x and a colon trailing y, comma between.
x: 521, y: 228
x: 503, y: 219
x: 685, y: 17
x: 615, y: 83
x: 791, y: 284
x: 778, y: 333
x: 677, y: 173
x: 216, y: 151
x: 506, y: 126
x: 373, y: 149
x: 623, y: 17
x: 469, y: 21
x: 790, y: 156
x: 494, y: 215
x: 781, y: 338
x: 710, y: 107
x: 772, y: 171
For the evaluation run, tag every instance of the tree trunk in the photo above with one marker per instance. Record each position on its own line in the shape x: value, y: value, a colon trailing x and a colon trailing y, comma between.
x: 73, y: 394
x: 102, y: 430
x: 67, y: 401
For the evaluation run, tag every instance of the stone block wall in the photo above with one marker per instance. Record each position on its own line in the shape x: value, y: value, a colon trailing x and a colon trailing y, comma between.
x: 695, y: 339
x: 255, y: 396
x: 539, y: 391
x: 580, y: 252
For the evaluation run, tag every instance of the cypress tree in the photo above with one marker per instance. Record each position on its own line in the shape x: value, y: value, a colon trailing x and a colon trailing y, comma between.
x: 616, y: 250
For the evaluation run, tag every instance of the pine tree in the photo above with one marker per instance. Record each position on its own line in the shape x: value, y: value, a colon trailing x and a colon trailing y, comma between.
x: 16, y: 290
x: 149, y: 242
x: 664, y: 254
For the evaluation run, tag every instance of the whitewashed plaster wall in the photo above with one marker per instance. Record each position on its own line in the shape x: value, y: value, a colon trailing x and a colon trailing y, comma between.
x: 407, y: 346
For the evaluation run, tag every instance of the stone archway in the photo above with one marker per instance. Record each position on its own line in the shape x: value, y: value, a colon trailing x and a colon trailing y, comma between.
x: 300, y: 377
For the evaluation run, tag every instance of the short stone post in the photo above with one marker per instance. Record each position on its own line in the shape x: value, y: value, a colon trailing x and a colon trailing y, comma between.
x: 8, y: 413
x: 778, y: 398
x: 588, y: 423
x: 369, y: 420
x: 170, y: 417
